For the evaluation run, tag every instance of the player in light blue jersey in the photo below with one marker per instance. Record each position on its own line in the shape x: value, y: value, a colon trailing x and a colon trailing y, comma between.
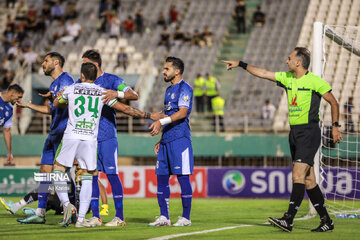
x: 107, y: 140
x: 175, y: 154
x: 52, y: 66
x: 13, y: 94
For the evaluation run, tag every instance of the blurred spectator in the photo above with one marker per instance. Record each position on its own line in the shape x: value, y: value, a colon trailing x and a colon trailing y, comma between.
x: 178, y: 37
x: 41, y: 25
x: 122, y: 59
x: 197, y: 39
x: 13, y: 64
x: 259, y: 17
x: 139, y: 21
x: 199, y: 92
x: 218, y: 104
x: 73, y: 31
x: 104, y: 7
x: 240, y: 16
x: 268, y: 110
x: 8, y: 38
x: 161, y: 20
x: 10, y: 22
x: 31, y: 58
x: 115, y: 4
x: 349, y: 124
x: 21, y: 11
x: 12, y: 3
x: 59, y: 31
x: 207, y: 36
x: 46, y: 10
x: 31, y: 13
x: 165, y: 39
x: 187, y: 38
x: 114, y: 26
x: 70, y: 11
x: 30, y: 24
x: 129, y: 26
x: 57, y: 11
x: 20, y: 34
x: 212, y: 89
x: 26, y: 43
x: 6, y: 80
x: 173, y: 14
x: 15, y: 50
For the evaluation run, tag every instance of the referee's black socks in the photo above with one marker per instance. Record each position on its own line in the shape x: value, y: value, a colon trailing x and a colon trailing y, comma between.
x: 296, y: 198
x: 317, y: 199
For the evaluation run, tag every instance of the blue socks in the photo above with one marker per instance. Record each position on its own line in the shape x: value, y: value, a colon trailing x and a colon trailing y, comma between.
x: 95, y: 197
x: 186, y: 194
x: 43, y: 194
x: 163, y: 194
x: 117, y: 191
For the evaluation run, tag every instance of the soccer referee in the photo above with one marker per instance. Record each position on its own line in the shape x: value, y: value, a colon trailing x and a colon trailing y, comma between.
x: 304, y: 91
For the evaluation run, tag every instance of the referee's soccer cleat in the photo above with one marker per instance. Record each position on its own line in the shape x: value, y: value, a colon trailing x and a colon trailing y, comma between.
x: 69, y: 211
x: 8, y: 205
x: 95, y: 221
x: 29, y: 211
x: 182, y: 222
x: 284, y: 223
x: 115, y: 222
x: 105, y: 210
x: 326, y: 225
x: 160, y: 221
x: 32, y: 219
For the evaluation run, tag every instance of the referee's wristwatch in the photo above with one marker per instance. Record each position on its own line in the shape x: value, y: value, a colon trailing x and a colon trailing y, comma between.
x: 336, y: 124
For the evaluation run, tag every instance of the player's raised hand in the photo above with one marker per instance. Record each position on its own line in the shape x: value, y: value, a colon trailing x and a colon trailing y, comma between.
x: 23, y: 105
x: 47, y: 95
x: 157, y: 115
x: 230, y: 64
x: 156, y: 148
x: 156, y: 127
x: 337, y: 137
x: 109, y: 95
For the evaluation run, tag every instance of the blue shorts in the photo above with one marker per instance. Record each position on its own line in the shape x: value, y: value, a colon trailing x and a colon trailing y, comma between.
x: 51, y: 145
x: 107, y: 156
x: 175, y: 158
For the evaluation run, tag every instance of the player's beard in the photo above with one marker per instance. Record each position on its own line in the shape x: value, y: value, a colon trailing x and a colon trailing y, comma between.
x: 168, y: 79
x: 49, y: 71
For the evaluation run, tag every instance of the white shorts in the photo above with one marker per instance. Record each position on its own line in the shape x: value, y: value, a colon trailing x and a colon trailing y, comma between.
x: 83, y: 150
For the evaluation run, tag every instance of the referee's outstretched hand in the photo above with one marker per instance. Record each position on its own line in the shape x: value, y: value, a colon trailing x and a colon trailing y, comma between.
x: 230, y: 64
x: 337, y: 137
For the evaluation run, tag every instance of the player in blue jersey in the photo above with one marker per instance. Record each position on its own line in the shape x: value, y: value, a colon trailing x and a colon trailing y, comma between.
x: 52, y: 66
x: 107, y: 140
x: 13, y: 94
x: 175, y: 154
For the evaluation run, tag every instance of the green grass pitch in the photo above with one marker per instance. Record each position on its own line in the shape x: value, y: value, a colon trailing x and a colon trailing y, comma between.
x: 206, y: 214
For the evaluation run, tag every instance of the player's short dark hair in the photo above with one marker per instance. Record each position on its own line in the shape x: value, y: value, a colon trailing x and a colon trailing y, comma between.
x: 304, y: 54
x: 57, y: 56
x: 177, y: 63
x: 93, y: 55
x: 16, y: 87
x: 89, y: 70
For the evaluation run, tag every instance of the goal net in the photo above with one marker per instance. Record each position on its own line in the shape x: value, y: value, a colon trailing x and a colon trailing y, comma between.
x: 339, y: 166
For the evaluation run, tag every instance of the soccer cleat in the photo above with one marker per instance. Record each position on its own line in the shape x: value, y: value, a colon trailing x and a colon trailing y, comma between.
x: 182, y: 222
x: 116, y: 222
x: 8, y: 205
x: 95, y: 221
x: 86, y: 223
x: 160, y: 221
x: 29, y: 211
x: 69, y: 211
x: 105, y: 210
x: 32, y: 219
x: 326, y: 225
x: 284, y: 223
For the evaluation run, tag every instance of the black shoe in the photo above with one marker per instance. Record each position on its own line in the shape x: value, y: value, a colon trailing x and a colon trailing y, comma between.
x: 326, y: 225
x: 284, y: 223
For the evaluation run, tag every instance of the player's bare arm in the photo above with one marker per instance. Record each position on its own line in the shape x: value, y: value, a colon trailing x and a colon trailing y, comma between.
x: 256, y: 71
x: 7, y: 138
x: 329, y: 97
x: 131, y: 111
x: 111, y: 94
x: 45, y: 109
x: 157, y: 125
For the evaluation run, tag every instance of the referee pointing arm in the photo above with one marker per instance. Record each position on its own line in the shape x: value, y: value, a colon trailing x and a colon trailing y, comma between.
x: 304, y: 91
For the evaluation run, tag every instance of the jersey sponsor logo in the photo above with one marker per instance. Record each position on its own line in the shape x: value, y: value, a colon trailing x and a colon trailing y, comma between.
x: 83, y: 124
x: 87, y: 91
x: 172, y: 95
x: 293, y: 101
x: 168, y: 107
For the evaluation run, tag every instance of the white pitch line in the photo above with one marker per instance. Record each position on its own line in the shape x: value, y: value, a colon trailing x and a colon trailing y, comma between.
x: 199, y: 232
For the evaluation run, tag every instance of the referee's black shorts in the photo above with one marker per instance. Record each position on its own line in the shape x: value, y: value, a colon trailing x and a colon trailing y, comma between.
x: 304, y: 142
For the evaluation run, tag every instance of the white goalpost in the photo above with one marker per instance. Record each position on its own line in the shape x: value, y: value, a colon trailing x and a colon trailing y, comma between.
x: 336, y: 58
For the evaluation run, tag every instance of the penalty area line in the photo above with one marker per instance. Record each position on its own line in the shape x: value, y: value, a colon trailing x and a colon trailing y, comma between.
x: 199, y: 232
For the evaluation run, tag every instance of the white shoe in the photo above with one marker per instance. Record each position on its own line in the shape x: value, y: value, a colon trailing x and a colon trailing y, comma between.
x: 86, y: 223
x: 95, y: 221
x: 116, y: 222
x: 160, y: 221
x: 182, y: 222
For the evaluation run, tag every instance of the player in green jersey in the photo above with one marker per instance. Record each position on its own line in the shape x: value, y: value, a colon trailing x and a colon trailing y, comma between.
x: 304, y: 91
